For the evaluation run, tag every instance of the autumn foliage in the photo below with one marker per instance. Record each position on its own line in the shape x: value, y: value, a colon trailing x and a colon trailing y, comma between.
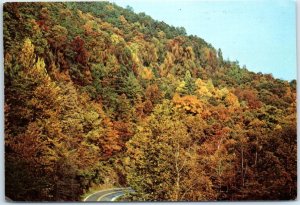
x: 98, y: 95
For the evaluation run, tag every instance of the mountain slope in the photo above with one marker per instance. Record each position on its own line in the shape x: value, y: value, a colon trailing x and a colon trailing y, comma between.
x: 96, y: 94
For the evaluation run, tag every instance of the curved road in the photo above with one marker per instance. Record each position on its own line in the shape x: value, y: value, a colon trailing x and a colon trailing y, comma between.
x: 108, y: 194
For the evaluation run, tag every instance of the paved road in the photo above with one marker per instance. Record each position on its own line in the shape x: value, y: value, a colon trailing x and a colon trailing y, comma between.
x: 108, y: 195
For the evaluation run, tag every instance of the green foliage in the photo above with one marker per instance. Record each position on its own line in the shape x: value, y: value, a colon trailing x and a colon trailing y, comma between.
x: 131, y: 87
x: 189, y: 83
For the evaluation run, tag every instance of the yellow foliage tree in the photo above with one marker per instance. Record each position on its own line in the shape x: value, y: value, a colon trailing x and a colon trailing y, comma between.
x: 27, y: 56
x: 188, y: 103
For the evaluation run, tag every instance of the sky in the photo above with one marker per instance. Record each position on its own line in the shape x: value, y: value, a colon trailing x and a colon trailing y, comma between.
x: 260, y: 34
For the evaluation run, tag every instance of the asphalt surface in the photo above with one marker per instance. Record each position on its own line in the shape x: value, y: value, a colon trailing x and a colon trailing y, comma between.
x: 108, y: 195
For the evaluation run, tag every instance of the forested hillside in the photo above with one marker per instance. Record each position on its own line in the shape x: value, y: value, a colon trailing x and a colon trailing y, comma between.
x: 98, y: 95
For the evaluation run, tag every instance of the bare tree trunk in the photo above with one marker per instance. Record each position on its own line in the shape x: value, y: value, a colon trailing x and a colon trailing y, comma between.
x: 255, y: 157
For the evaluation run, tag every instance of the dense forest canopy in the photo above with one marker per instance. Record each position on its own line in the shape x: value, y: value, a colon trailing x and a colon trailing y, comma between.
x: 98, y: 95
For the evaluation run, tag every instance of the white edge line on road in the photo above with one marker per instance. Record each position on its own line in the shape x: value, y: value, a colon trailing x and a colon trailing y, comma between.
x: 113, y: 199
x: 101, y: 191
x: 101, y: 197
